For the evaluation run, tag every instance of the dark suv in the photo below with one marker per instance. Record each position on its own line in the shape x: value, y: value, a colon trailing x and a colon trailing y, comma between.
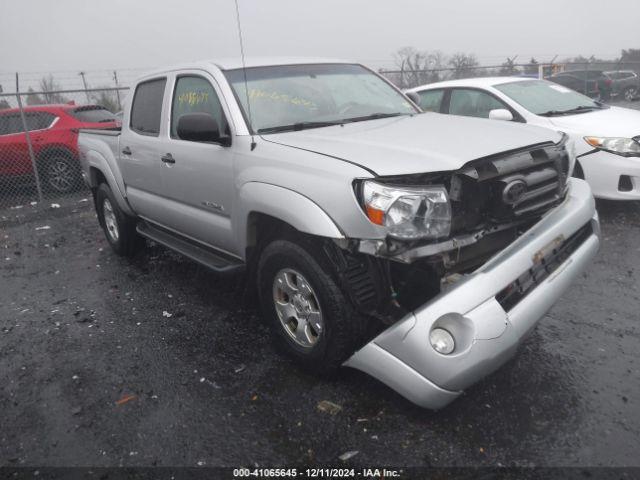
x: 625, y: 84
x: 593, y: 83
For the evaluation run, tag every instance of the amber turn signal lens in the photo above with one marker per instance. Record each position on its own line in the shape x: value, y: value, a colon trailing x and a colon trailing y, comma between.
x: 593, y: 141
x: 375, y: 215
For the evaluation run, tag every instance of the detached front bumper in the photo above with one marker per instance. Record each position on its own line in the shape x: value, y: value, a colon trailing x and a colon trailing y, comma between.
x: 487, y: 332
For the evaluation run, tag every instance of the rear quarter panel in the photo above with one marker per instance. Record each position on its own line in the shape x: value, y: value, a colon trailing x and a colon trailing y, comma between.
x: 99, y: 152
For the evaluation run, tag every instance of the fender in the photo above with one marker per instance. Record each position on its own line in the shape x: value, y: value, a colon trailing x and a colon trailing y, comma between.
x: 96, y: 161
x: 284, y: 204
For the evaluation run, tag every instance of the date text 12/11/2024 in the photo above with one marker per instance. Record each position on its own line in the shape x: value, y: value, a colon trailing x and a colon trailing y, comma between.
x: 316, y: 473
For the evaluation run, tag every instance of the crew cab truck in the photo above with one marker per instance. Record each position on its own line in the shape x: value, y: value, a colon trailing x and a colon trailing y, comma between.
x: 418, y: 247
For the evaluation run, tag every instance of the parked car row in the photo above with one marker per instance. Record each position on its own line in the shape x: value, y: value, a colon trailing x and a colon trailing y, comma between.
x: 606, y: 138
x: 53, y: 130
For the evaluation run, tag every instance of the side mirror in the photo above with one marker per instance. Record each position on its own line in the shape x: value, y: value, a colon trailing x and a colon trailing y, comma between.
x: 414, y: 97
x: 501, y: 114
x: 199, y: 127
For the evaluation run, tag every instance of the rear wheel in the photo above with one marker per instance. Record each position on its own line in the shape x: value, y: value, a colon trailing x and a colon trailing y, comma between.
x: 119, y: 228
x: 312, y: 320
x: 630, y: 93
x: 60, y: 173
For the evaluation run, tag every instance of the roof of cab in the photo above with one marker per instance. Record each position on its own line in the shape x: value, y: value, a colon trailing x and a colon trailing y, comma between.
x: 232, y: 63
x: 236, y: 62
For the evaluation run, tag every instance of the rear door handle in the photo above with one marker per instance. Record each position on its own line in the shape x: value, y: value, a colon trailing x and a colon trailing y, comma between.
x: 168, y: 158
x: 126, y: 151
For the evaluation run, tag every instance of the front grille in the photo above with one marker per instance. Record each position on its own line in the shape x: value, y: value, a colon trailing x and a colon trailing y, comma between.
x: 523, y: 183
x: 545, y: 264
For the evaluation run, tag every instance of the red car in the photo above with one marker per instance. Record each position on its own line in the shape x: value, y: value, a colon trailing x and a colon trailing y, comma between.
x: 54, y: 135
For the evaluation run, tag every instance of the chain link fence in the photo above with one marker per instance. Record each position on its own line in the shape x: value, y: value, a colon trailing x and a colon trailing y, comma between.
x: 40, y: 117
x: 617, y: 79
x: 40, y: 114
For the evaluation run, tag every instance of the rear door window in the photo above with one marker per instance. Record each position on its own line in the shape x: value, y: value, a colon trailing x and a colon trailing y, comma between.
x: 431, y: 100
x: 146, y: 109
x: 473, y: 103
x: 10, y: 124
x: 39, y: 120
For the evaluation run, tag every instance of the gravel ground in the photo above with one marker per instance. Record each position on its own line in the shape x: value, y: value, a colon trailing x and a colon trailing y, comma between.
x: 109, y: 362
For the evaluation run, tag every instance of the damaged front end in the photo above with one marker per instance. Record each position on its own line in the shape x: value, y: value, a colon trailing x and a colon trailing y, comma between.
x: 456, y: 305
x: 442, y: 225
x: 481, y: 201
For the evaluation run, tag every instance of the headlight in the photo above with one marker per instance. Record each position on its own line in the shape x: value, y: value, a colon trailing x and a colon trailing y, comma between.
x: 408, y: 212
x: 621, y: 146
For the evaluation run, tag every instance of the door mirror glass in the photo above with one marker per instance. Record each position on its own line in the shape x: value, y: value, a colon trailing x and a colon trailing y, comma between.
x: 501, y: 114
x: 198, y: 127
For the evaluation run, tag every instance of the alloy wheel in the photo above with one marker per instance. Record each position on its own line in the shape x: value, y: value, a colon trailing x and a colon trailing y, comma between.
x: 110, y: 221
x: 297, y: 307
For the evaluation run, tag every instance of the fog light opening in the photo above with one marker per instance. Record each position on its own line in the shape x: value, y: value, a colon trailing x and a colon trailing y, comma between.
x: 442, y: 341
x: 625, y: 184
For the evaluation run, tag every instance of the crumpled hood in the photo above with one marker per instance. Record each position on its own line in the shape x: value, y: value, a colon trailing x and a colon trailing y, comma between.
x: 428, y: 142
x: 610, y: 122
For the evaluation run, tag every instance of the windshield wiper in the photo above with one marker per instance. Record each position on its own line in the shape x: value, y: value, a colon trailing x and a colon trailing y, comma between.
x: 373, y: 116
x: 329, y: 123
x: 294, y: 127
x: 580, y: 109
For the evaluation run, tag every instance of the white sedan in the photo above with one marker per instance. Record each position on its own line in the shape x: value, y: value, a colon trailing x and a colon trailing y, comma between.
x: 607, y: 138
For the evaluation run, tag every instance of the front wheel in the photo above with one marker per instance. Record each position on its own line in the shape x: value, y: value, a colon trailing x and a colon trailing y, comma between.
x: 119, y: 228
x: 312, y: 320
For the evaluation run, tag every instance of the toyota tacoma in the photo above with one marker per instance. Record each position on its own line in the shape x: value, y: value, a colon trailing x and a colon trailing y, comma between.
x: 420, y: 248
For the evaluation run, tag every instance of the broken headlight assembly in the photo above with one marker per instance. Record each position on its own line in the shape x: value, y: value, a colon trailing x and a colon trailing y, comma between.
x: 407, y: 212
x: 627, y: 147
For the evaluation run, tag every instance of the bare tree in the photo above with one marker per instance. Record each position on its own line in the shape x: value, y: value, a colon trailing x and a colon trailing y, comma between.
x: 106, y: 99
x: 49, y: 87
x: 33, y: 98
x: 418, y: 67
x: 631, y: 55
x: 509, y: 67
x: 463, y: 65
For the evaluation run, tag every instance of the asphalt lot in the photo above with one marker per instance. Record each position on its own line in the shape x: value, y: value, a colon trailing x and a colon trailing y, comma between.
x: 155, y: 361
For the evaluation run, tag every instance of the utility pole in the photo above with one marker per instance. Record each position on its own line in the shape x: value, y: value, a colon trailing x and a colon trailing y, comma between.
x: 84, y: 82
x: 115, y: 79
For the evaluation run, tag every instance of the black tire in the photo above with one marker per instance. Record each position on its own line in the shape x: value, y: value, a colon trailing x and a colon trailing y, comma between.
x: 126, y: 242
x: 60, y: 173
x: 342, y: 325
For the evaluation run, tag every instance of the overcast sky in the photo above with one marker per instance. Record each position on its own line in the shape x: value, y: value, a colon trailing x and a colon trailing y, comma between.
x: 69, y: 35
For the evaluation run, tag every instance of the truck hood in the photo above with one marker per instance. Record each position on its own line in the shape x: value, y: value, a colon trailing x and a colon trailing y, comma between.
x: 428, y: 142
x: 610, y: 122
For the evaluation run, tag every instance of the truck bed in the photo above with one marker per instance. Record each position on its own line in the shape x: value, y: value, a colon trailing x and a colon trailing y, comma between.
x: 110, y: 132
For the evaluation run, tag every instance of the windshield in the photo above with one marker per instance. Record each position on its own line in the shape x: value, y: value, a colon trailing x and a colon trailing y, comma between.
x: 292, y: 97
x: 541, y: 97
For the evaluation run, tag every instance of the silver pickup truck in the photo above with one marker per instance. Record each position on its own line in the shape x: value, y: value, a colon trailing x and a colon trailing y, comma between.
x: 420, y: 248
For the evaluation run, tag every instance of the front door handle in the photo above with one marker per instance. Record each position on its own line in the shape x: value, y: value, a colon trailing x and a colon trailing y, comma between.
x: 126, y: 151
x: 168, y: 158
